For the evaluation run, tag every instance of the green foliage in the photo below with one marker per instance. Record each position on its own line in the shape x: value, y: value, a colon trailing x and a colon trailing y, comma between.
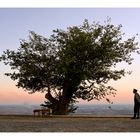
x: 71, y: 64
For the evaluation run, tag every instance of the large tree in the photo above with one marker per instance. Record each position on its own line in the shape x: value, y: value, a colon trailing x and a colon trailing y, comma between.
x: 72, y: 64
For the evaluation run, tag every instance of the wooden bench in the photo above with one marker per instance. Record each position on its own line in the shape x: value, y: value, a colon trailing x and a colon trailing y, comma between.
x: 42, y: 112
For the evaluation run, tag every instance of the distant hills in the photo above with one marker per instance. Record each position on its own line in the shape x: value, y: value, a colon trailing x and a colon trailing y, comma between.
x: 82, y: 109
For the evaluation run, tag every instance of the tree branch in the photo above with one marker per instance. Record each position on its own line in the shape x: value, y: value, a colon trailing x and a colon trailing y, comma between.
x: 50, y: 97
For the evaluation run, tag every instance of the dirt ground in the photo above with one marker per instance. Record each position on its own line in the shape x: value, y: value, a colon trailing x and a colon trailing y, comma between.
x: 11, y: 123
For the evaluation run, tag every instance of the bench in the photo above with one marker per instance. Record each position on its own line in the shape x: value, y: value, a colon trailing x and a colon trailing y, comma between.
x: 42, y: 112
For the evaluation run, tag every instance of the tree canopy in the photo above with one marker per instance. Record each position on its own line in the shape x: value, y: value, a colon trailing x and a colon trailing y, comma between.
x: 72, y: 64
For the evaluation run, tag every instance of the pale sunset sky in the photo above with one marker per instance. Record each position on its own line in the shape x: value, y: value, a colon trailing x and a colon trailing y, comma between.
x: 15, y: 24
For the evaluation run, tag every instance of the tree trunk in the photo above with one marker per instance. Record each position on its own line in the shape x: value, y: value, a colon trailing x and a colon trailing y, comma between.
x: 65, y: 98
x: 62, y: 105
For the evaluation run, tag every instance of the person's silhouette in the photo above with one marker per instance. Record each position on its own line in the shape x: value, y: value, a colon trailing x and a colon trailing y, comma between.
x: 136, y: 104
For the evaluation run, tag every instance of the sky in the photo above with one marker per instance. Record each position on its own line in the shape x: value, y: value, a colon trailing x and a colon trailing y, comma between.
x: 15, y: 24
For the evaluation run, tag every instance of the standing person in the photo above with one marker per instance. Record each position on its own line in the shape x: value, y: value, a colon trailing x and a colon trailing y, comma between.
x: 136, y: 104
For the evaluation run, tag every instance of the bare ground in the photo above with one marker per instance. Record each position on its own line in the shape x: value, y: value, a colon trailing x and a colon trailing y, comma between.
x: 21, y: 123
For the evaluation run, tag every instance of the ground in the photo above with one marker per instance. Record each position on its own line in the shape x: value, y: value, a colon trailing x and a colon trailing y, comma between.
x: 22, y: 123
